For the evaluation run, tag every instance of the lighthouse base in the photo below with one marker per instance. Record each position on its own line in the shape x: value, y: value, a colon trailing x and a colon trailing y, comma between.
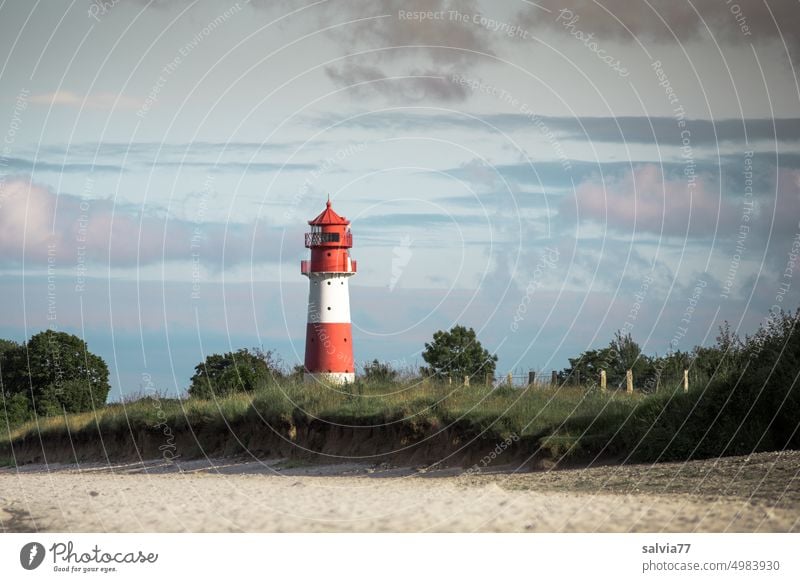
x: 329, y: 378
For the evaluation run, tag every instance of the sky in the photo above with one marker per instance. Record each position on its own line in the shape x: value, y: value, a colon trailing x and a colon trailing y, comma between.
x: 544, y: 172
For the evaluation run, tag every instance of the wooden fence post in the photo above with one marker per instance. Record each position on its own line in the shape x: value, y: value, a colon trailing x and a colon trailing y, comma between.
x: 603, y: 380
x: 577, y: 377
x: 531, y: 378
x: 449, y: 379
x: 488, y: 379
x: 629, y: 380
x: 509, y: 379
x: 686, y: 380
x: 554, y: 378
x: 466, y: 380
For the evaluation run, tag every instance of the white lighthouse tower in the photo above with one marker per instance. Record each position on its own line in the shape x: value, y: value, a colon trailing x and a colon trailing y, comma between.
x: 329, y: 341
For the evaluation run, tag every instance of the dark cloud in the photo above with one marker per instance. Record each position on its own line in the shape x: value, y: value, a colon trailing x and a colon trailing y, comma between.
x: 154, y: 150
x: 734, y: 22
x: 664, y: 130
x: 634, y: 130
x: 106, y: 157
x: 421, y: 220
x: 522, y: 199
x: 223, y: 166
x: 552, y: 177
x: 21, y: 165
x: 385, y: 23
x: 423, y: 51
x: 415, y: 86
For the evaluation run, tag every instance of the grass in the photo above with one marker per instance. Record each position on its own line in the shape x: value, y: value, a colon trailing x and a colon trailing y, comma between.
x: 291, y: 464
x: 559, y: 421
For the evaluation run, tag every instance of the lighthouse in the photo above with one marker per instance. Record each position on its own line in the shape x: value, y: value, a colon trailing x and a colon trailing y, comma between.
x: 329, y: 342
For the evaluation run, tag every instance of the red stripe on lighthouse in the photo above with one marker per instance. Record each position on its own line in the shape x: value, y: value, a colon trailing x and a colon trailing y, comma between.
x: 329, y: 348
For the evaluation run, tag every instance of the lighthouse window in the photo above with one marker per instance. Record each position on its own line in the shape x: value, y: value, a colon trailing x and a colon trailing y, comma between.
x: 329, y: 237
x: 345, y: 340
x: 329, y: 282
x: 329, y: 308
x: 329, y: 254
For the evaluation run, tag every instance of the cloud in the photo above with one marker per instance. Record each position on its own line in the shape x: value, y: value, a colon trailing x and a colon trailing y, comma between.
x: 415, y: 86
x: 37, y: 225
x: 152, y: 150
x: 632, y: 129
x: 20, y: 165
x: 420, y: 220
x: 103, y: 100
x: 788, y: 196
x: 666, y: 21
x: 239, y: 167
x: 551, y: 177
x: 643, y: 200
x: 781, y: 218
x: 426, y: 52
x: 664, y: 130
x: 104, y: 158
x: 390, y: 24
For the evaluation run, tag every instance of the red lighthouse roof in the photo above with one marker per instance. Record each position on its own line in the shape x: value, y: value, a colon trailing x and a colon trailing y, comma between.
x: 328, y: 217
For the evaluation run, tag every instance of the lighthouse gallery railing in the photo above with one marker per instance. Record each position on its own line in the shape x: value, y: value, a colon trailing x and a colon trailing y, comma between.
x: 314, y: 239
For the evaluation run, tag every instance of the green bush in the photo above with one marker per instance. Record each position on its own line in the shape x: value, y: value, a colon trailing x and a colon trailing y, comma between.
x: 240, y: 371
x: 752, y: 405
x: 15, y: 410
x: 376, y: 371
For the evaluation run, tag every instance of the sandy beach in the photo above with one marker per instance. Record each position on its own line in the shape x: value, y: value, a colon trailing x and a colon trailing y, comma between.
x: 759, y: 493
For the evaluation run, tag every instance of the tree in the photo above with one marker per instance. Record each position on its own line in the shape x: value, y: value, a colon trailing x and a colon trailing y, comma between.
x: 7, y: 353
x: 7, y: 346
x: 240, y: 371
x: 56, y: 373
x: 629, y: 356
x: 668, y: 371
x: 376, y: 371
x: 621, y: 354
x: 723, y: 360
x: 587, y: 366
x: 457, y: 353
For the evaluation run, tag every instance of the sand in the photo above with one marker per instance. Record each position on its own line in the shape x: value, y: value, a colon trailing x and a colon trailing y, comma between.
x: 759, y: 493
